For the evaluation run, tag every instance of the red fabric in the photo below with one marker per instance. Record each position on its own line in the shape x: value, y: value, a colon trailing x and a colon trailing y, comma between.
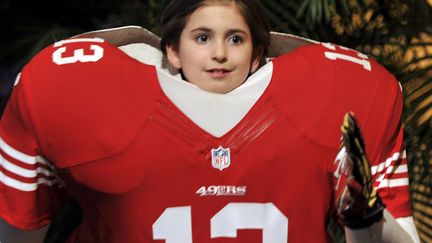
x: 127, y: 153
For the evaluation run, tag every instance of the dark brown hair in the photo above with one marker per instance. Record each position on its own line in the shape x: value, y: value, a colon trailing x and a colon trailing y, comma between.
x: 177, y: 12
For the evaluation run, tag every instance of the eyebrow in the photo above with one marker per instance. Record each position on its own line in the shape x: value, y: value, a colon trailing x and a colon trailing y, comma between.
x: 229, y: 32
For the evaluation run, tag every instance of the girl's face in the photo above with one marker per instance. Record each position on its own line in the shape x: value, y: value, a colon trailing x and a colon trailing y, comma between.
x: 215, y: 49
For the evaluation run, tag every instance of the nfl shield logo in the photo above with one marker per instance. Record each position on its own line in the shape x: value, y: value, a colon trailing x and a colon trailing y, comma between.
x: 221, y: 158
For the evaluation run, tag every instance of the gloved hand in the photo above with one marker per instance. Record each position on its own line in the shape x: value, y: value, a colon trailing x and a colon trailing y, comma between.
x: 358, y: 204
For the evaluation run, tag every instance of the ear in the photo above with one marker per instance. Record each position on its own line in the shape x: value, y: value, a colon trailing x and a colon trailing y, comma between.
x: 173, y: 56
x: 257, y: 61
x: 255, y: 64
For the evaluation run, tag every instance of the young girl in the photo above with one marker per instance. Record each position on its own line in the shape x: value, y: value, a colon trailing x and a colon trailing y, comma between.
x: 225, y: 50
x: 225, y: 151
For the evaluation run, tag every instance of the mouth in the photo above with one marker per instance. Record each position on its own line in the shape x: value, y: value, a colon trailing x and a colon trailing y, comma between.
x: 218, y: 72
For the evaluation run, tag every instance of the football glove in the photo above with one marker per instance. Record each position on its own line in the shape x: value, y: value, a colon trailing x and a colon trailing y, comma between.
x: 358, y: 204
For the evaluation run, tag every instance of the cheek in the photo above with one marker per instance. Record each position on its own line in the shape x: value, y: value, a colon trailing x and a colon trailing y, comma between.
x: 244, y: 61
x: 190, y: 55
x: 191, y: 63
x: 243, y: 55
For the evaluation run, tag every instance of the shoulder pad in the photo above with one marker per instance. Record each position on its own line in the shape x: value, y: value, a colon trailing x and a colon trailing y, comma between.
x: 88, y: 99
x: 282, y: 43
x: 124, y: 36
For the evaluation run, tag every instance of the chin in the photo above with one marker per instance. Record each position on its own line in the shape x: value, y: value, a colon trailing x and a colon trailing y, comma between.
x: 218, y: 89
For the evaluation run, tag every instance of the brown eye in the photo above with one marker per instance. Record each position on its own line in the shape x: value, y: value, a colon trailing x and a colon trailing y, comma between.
x: 202, y: 38
x: 236, y: 39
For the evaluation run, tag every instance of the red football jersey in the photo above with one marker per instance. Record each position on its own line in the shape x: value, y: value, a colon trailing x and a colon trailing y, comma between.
x: 87, y: 120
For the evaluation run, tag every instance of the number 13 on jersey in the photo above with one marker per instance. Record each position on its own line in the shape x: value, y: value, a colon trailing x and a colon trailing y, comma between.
x: 78, y: 54
x: 175, y: 224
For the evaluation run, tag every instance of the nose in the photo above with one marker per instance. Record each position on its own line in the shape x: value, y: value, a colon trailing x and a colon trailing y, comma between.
x: 219, y: 52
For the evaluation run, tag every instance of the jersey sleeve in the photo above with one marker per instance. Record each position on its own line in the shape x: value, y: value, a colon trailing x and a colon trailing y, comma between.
x: 388, y: 159
x: 391, y: 178
x: 31, y: 192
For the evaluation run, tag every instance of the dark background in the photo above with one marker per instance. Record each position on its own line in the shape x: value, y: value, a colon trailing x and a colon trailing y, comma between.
x: 28, y: 26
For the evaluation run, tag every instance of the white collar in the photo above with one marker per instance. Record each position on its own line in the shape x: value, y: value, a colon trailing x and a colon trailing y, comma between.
x: 215, y: 113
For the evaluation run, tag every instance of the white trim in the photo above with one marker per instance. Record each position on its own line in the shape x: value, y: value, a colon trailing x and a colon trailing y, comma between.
x: 381, y: 166
x: 28, y: 159
x: 60, y: 43
x: 400, y: 170
x: 387, y: 183
x: 112, y: 29
x: 295, y: 37
x: 215, y: 113
x: 22, y: 171
x: 23, y: 186
x: 31, y: 160
x: 17, y: 79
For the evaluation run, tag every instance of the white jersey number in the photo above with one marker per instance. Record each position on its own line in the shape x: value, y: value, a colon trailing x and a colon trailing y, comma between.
x: 78, y: 54
x: 360, y: 58
x: 175, y: 224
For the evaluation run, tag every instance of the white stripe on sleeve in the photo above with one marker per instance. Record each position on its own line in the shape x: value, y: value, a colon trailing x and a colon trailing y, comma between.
x: 23, y: 186
x: 393, y: 183
x: 382, y: 166
x: 28, y: 159
x: 20, y: 171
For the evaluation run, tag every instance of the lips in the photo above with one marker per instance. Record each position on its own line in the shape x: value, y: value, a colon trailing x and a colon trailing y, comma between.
x: 218, y: 72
